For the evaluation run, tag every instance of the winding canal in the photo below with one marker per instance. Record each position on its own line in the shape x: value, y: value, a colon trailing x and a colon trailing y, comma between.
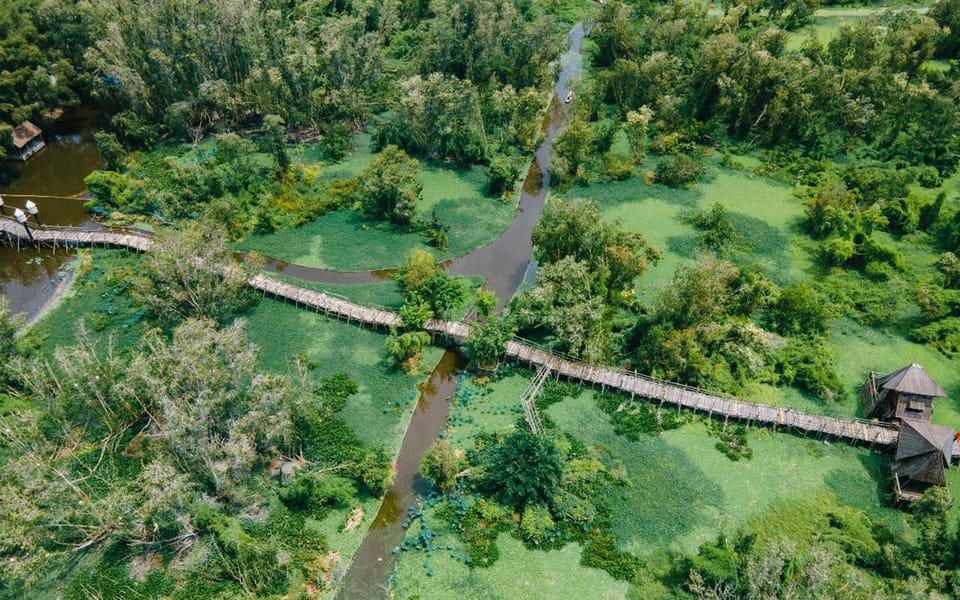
x: 503, y: 263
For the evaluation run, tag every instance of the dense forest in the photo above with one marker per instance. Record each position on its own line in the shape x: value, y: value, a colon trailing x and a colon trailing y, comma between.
x: 182, y: 437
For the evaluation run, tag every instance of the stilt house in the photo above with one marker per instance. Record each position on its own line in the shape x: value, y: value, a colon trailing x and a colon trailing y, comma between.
x: 27, y: 141
x: 904, y: 394
x: 924, y: 450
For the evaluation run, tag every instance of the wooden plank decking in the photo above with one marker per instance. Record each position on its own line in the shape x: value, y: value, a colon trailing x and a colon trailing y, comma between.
x: 635, y: 384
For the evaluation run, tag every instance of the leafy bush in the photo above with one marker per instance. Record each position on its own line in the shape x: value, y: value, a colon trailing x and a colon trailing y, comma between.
x: 717, y: 233
x: 479, y: 528
x: 679, y: 170
x: 808, y: 364
x: 388, y: 188
x: 631, y: 419
x: 441, y: 464
x: 503, y: 174
x: 800, y: 309
x: 524, y: 469
x: 732, y: 440
x: 601, y: 552
x: 336, y: 388
x: 619, y: 169
x: 536, y: 524
x: 309, y: 491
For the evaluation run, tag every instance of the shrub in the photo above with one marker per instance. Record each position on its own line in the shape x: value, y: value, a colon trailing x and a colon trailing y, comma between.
x: 503, y: 175
x: 336, y: 388
x: 111, y: 150
x: 619, y: 169
x: 536, y: 524
x: 309, y: 491
x: 808, y: 364
x: 524, y: 469
x: 717, y: 233
x: 928, y: 177
x: 800, y: 310
x: 441, y: 464
x: 679, y: 170
x: 601, y: 552
x: 732, y: 441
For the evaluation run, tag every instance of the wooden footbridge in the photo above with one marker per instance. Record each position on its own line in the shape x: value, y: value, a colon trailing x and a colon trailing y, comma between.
x: 626, y: 382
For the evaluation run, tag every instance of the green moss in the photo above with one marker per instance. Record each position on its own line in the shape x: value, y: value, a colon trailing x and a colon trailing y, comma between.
x: 519, y: 573
x: 679, y: 492
x: 100, y: 297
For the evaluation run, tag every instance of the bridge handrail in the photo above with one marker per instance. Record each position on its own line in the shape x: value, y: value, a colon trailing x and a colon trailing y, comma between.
x: 690, y: 388
x: 121, y: 230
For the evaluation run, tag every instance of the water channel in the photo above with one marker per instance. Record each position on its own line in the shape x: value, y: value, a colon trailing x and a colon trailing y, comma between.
x: 503, y: 263
x: 53, y: 179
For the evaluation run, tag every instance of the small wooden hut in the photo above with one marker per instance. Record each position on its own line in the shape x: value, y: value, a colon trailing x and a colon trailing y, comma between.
x: 904, y: 394
x: 924, y: 450
x: 27, y: 141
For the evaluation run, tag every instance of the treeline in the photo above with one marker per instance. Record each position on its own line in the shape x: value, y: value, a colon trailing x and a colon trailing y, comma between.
x: 718, y: 325
x: 458, y: 71
x: 866, y: 93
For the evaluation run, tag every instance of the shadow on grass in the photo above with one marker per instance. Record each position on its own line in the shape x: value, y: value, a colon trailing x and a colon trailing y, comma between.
x: 869, y: 493
x: 763, y: 244
x: 684, y: 246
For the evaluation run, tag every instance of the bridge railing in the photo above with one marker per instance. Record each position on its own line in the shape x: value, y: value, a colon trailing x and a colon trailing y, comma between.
x: 694, y: 389
x: 121, y: 230
x: 517, y: 339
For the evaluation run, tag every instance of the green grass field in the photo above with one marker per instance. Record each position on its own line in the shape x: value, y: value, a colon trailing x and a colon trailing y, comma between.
x: 344, y: 241
x: 682, y: 491
x: 380, y: 411
x: 768, y: 217
x: 519, y: 573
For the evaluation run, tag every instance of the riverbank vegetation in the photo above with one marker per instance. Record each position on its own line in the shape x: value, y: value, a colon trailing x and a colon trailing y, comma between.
x: 189, y: 458
x: 803, y: 223
x: 756, y: 199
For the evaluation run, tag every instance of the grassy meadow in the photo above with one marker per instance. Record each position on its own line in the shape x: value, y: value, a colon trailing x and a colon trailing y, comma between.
x: 768, y: 218
x: 344, y: 241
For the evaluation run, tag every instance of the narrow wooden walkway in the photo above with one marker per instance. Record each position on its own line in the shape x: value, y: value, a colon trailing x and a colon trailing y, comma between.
x: 529, y: 400
x: 635, y: 384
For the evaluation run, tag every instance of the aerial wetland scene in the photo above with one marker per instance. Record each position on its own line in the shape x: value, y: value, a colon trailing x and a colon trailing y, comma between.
x: 479, y: 299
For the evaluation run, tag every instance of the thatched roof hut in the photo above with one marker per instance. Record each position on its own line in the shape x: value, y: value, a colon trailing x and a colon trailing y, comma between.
x: 904, y: 394
x: 924, y: 450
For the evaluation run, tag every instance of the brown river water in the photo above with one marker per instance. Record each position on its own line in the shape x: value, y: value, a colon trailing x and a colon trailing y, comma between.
x: 53, y: 179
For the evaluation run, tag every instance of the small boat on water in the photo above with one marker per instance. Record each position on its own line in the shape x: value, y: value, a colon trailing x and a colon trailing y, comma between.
x: 569, y: 96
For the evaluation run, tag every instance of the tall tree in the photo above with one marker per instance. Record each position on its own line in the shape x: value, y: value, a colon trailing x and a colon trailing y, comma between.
x: 389, y: 188
x: 192, y: 273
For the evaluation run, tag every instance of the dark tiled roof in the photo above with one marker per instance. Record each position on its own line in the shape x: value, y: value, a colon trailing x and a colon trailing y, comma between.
x: 911, y: 380
x: 923, y: 451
